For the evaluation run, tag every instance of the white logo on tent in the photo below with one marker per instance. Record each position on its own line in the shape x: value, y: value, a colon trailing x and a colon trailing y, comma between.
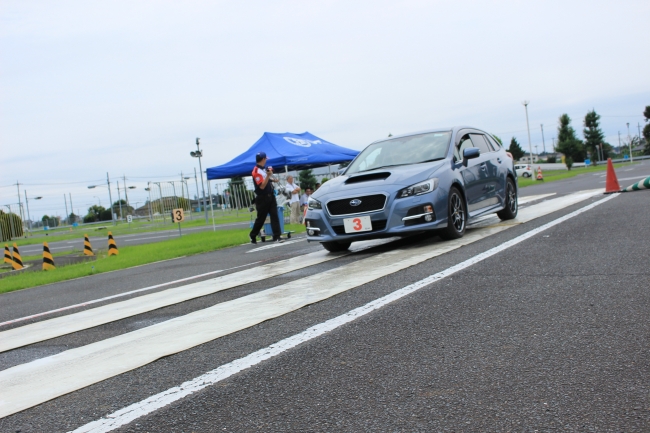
x: 301, y: 142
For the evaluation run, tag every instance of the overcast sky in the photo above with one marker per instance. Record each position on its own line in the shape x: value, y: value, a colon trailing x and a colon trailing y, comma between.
x: 125, y: 87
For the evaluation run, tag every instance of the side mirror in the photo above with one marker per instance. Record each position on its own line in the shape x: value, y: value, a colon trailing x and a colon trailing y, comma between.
x: 470, y: 153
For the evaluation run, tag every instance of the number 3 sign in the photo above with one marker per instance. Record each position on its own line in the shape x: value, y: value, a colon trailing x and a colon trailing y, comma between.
x: 178, y: 215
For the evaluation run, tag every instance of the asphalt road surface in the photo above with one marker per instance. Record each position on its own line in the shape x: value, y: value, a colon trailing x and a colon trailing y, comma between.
x: 539, y: 325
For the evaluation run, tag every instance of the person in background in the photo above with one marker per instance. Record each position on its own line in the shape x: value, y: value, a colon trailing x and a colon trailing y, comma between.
x: 265, y: 202
x: 294, y: 201
x: 317, y: 186
x: 304, y: 199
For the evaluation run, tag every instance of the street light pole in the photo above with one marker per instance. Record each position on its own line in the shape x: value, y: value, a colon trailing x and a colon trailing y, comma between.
x: 543, y: 141
x: 629, y: 141
x: 199, y: 154
x: 530, y: 148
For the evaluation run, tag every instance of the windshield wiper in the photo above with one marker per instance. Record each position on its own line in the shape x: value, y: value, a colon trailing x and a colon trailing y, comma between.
x: 431, y: 160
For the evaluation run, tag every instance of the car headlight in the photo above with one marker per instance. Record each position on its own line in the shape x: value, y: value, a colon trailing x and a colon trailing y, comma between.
x: 418, y: 188
x: 314, y: 204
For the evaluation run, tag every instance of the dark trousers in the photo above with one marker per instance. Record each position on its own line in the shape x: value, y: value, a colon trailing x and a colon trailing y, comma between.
x: 265, y: 205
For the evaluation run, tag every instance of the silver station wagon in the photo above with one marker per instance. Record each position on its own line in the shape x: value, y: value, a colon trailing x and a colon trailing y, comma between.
x: 432, y: 180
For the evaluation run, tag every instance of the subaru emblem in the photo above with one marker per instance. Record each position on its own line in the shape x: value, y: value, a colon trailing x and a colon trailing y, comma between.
x: 355, y: 202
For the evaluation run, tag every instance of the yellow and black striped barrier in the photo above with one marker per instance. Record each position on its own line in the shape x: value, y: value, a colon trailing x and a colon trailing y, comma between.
x: 112, y: 246
x: 48, y: 260
x: 17, y: 262
x: 8, y: 258
x: 88, y: 249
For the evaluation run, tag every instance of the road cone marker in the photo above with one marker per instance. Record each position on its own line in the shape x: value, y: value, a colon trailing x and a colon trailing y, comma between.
x: 88, y: 249
x: 48, y: 260
x: 8, y: 258
x: 611, y: 183
x: 17, y: 262
x: 112, y: 247
x: 539, y: 173
x: 642, y: 184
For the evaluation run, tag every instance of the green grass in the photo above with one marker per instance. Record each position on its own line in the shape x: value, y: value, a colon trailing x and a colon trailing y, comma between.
x: 136, y: 255
x: 555, y: 175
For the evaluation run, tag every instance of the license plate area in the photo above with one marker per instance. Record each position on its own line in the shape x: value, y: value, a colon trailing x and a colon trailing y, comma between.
x: 357, y: 224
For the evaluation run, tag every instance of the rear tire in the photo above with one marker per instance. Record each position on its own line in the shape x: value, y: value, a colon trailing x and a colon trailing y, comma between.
x: 335, y: 247
x: 526, y: 175
x: 456, y: 216
x: 512, y: 205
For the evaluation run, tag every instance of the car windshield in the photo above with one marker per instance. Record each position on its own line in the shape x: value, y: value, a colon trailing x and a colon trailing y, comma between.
x: 413, y: 149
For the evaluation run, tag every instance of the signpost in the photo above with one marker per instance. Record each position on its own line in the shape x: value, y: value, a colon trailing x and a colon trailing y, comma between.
x: 129, y: 219
x: 177, y: 217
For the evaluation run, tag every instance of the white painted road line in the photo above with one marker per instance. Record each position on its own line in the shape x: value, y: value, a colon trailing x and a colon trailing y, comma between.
x: 76, y: 368
x: 529, y: 198
x: 137, y: 410
x: 274, y: 245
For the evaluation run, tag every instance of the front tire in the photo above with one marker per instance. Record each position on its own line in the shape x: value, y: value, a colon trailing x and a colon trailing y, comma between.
x: 512, y: 205
x: 526, y: 175
x: 456, y: 216
x: 335, y: 247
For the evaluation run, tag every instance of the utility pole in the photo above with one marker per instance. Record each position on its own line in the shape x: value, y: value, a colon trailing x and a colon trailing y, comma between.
x: 65, y: 199
x: 543, y: 141
x: 553, y: 144
x: 196, y: 181
x: 125, y: 195
x: 530, y: 147
x: 629, y: 141
x: 28, y: 217
x: 71, y: 207
x: 20, y: 206
x: 619, y: 141
x: 119, y: 198
x: 110, y: 205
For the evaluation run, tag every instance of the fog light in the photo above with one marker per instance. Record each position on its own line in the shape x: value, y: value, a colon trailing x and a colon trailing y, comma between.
x: 428, y: 209
x: 428, y: 218
x: 310, y: 232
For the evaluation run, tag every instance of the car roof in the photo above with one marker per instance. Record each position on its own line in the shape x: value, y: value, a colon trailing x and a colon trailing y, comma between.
x: 452, y: 129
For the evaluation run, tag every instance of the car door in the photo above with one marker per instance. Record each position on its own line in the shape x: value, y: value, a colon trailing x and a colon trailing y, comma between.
x: 490, y: 170
x: 473, y: 172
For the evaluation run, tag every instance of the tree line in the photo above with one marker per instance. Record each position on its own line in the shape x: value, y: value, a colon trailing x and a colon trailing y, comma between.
x: 593, y: 145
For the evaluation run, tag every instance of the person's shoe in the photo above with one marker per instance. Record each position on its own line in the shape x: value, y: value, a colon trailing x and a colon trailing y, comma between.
x: 253, y: 240
x: 278, y: 240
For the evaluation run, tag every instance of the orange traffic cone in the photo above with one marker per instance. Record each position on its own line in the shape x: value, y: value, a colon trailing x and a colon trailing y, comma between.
x: 611, y: 183
x: 539, y: 173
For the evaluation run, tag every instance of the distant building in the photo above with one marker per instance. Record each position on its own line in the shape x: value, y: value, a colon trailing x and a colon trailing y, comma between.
x: 526, y: 158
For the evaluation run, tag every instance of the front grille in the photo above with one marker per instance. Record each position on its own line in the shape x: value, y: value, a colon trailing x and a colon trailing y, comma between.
x: 376, y: 226
x: 369, y: 203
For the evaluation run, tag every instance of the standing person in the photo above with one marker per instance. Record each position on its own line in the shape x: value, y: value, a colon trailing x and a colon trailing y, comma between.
x: 265, y: 202
x: 317, y: 186
x: 294, y: 202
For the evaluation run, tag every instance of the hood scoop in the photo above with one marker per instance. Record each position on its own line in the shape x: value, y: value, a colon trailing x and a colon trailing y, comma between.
x: 367, y: 177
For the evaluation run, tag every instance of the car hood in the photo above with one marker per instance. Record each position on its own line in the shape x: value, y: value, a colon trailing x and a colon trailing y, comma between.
x: 399, y: 176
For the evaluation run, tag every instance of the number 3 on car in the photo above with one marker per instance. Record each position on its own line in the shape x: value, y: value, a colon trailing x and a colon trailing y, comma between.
x: 357, y: 224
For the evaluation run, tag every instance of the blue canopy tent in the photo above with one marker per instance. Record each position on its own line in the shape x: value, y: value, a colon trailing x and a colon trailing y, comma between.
x: 285, y: 151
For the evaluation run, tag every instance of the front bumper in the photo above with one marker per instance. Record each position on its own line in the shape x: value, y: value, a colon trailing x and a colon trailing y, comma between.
x: 400, y: 217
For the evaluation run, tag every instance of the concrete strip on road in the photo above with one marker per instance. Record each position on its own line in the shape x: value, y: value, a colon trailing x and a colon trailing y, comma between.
x: 77, y: 368
x: 137, y: 410
x: 56, y: 327
x: 47, y: 329
x: 41, y: 380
